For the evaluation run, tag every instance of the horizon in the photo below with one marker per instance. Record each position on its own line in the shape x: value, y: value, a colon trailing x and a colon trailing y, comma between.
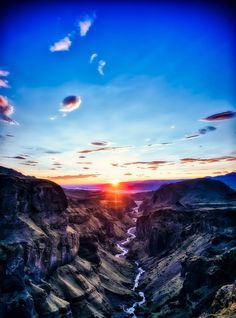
x: 96, y: 95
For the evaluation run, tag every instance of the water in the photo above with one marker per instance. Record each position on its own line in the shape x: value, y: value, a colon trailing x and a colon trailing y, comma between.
x: 131, y: 236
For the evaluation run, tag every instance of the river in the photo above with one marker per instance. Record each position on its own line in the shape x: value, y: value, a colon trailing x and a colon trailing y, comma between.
x: 139, y: 270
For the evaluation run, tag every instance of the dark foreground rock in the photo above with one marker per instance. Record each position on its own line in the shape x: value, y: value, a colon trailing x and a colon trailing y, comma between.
x: 189, y: 252
x: 55, y: 258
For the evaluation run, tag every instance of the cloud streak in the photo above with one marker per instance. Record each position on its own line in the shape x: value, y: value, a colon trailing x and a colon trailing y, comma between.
x: 103, y: 149
x: 208, y: 160
x: 77, y: 176
x: 99, y: 143
x: 200, y: 132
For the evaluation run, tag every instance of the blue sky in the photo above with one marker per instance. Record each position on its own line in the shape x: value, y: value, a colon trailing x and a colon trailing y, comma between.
x: 166, y: 68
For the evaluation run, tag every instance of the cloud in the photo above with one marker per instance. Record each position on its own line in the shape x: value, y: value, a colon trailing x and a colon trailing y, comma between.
x: 4, y: 73
x: 62, y: 45
x: 32, y: 161
x: 154, y: 162
x: 128, y: 174
x: 92, y: 58
x: 203, y: 131
x: 200, y: 132
x: 84, y: 162
x: 207, y: 160
x: 99, y: 143
x: 101, y: 65
x: 85, y: 24
x: 16, y: 157
x: 82, y: 157
x: 53, y: 118
x: 153, y: 165
x: 57, y: 164
x: 4, y: 83
x: 8, y: 135
x: 52, y: 152
x: 77, y: 176
x: 220, y: 116
x: 104, y: 149
x: 6, y: 110
x: 70, y: 103
x: 115, y: 164
x: 192, y: 136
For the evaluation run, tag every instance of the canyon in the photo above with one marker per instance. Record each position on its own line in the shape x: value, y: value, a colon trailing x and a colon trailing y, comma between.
x: 76, y: 253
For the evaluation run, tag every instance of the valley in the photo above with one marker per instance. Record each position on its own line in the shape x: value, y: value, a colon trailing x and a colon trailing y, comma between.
x: 91, y: 254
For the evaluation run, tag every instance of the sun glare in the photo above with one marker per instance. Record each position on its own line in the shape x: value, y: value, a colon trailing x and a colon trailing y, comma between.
x: 115, y: 182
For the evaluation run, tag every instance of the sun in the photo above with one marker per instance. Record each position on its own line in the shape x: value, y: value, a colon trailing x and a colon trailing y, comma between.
x: 115, y: 182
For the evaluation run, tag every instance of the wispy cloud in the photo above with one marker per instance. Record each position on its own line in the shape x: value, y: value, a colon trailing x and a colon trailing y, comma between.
x: 93, y: 56
x: 115, y: 164
x: 53, y: 118
x: 104, y: 149
x: 154, y: 162
x: 101, y: 65
x: 6, y: 110
x: 99, y: 143
x: 153, y: 165
x: 205, y: 130
x: 52, y: 152
x: 16, y: 157
x: 84, y: 162
x: 85, y: 24
x: 62, y: 45
x: 192, y: 136
x: 77, y: 176
x: 4, y: 73
x: 208, y: 160
x: 220, y: 116
x: 200, y: 132
x: 70, y: 103
x: 4, y: 83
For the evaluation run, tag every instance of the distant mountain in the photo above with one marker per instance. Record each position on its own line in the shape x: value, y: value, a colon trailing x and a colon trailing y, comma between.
x: 229, y: 179
x: 148, y: 185
x: 129, y: 186
x: 192, y: 193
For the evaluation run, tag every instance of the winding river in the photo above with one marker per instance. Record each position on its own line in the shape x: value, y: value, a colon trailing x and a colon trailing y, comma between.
x: 139, y: 270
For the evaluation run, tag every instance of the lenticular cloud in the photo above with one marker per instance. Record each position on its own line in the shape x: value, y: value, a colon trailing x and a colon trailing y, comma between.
x: 6, y: 110
x: 220, y: 116
x: 70, y: 103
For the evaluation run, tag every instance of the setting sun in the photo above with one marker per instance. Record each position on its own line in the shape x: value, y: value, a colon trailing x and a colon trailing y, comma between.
x: 115, y: 182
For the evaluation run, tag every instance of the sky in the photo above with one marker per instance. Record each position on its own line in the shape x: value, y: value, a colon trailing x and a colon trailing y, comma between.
x: 97, y: 92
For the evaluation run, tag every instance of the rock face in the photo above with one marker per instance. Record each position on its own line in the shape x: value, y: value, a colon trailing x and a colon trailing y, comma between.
x: 191, y: 193
x: 189, y: 253
x: 55, y: 260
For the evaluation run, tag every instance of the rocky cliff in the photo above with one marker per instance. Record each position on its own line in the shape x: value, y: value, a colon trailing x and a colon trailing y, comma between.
x: 189, y: 251
x: 57, y: 252
x: 190, y: 194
